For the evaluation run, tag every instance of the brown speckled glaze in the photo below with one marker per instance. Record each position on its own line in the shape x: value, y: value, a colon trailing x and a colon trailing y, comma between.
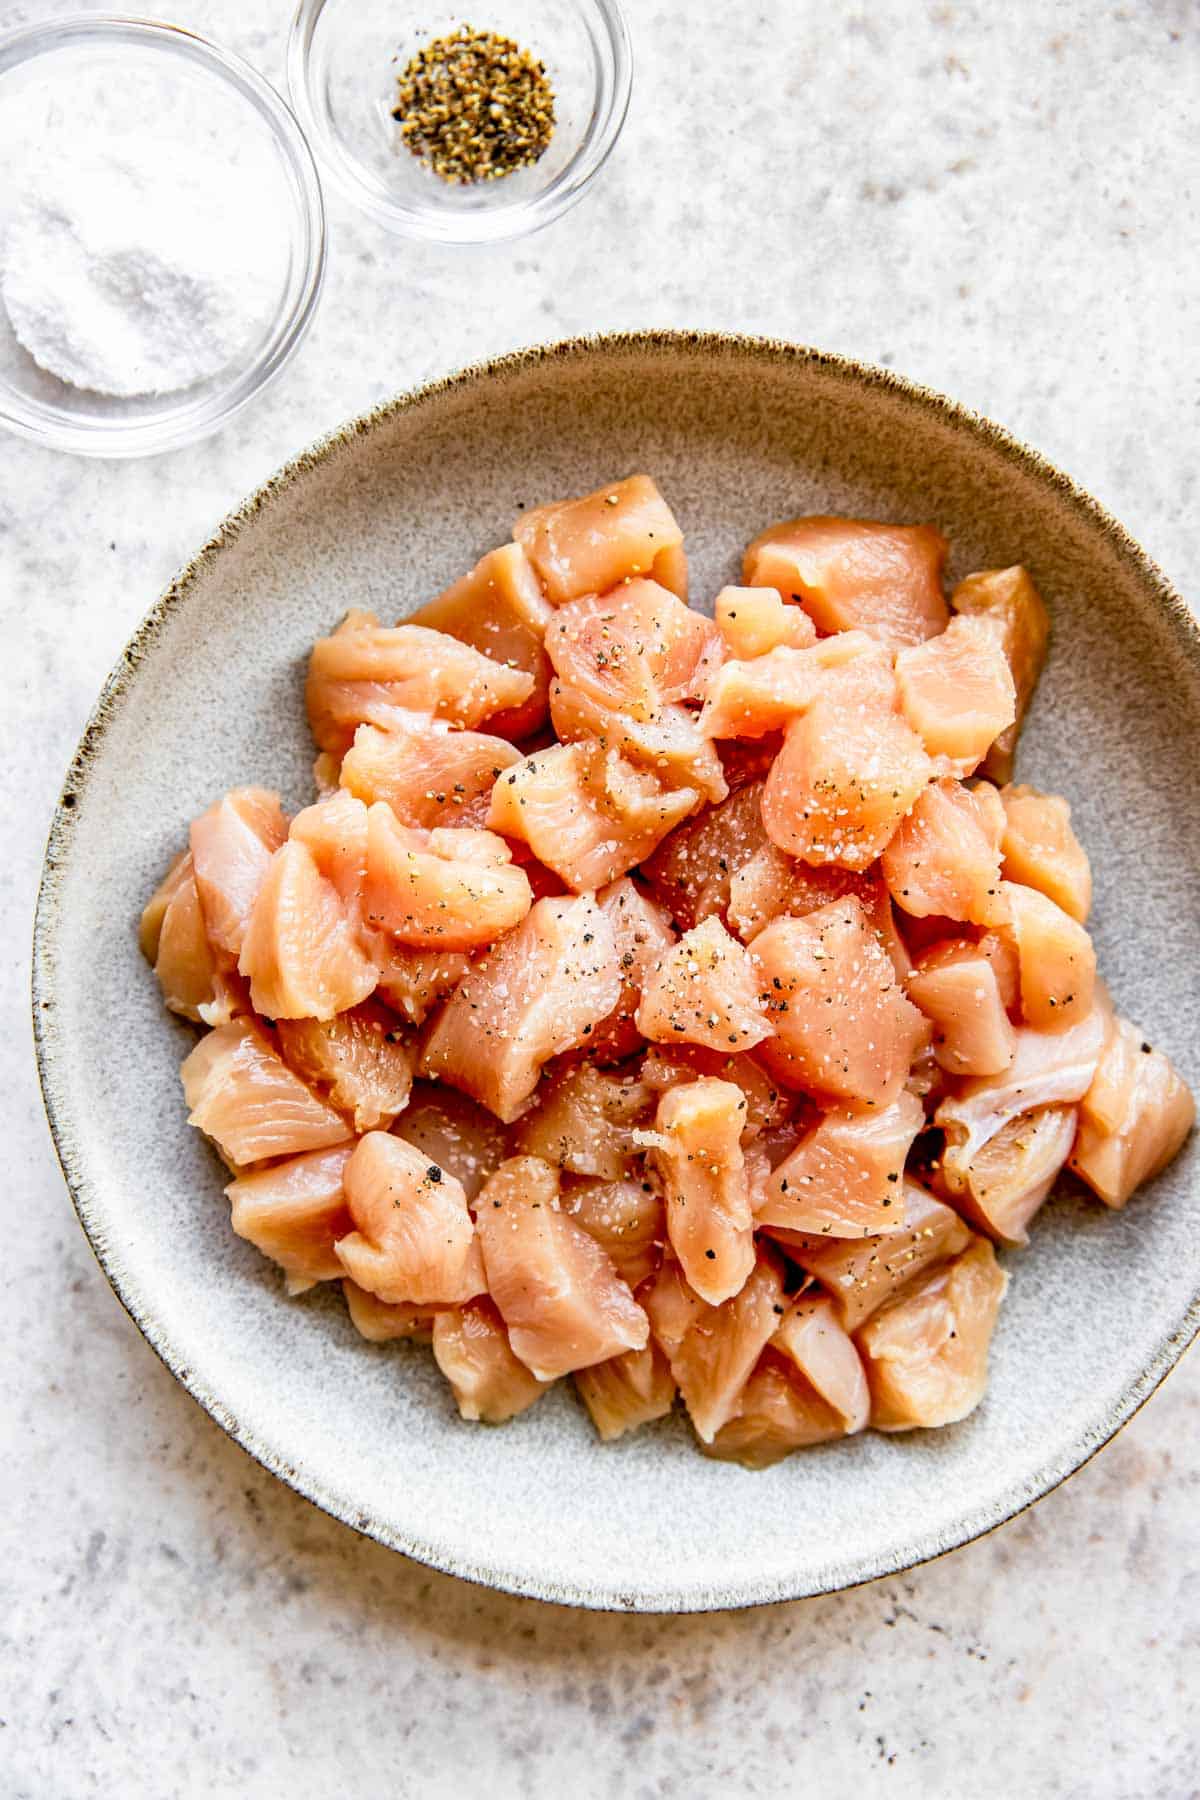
x: 382, y: 514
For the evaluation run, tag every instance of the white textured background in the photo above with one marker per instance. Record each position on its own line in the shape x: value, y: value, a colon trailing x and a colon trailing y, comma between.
x: 999, y: 201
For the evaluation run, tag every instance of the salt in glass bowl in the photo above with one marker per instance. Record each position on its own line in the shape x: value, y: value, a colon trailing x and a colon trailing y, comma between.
x: 144, y: 66
x: 344, y: 59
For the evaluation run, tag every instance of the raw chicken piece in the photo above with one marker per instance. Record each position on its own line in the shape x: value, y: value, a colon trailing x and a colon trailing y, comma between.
x: 1133, y: 1119
x: 539, y: 993
x: 772, y: 883
x: 500, y: 610
x: 584, y: 1119
x: 586, y: 812
x: 704, y: 990
x: 471, y: 1347
x: 174, y: 939
x: 1000, y: 950
x: 1049, y: 1068
x: 413, y: 1243
x: 691, y: 871
x: 243, y: 1096
x: 294, y: 1212
x: 448, y: 1128
x: 845, y: 1176
x: 713, y: 1349
x: 627, y: 1220
x: 361, y: 1060
x: 698, y: 1159
x: 670, y: 570
x: 380, y: 1323
x: 844, y: 1030
x: 634, y: 650
x: 232, y: 845
x: 427, y: 777
x: 562, y: 1300
x: 1009, y: 1178
x: 671, y: 743
x: 956, y: 986
x: 860, y: 1273
x: 957, y: 693
x: 778, y: 1412
x: 751, y: 699
x: 848, y: 772
x: 587, y: 546
x: 767, y: 1105
x: 944, y: 859
x: 754, y: 620
x: 1041, y: 851
x: 414, y: 982
x: 301, y: 953
x: 334, y: 832
x: 854, y: 574
x: 627, y: 1391
x: 366, y: 673
x: 926, y: 1351
x: 1056, y: 958
x: 1008, y: 601
x: 441, y: 890
x: 641, y: 932
x: 814, y: 1341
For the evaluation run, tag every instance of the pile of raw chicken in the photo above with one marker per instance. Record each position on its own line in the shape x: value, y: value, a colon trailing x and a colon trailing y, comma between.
x: 683, y: 1004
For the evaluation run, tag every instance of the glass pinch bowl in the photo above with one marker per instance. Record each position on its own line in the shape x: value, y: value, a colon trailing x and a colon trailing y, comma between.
x: 344, y: 61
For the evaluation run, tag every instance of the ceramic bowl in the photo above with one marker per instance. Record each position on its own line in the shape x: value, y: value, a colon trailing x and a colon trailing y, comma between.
x: 208, y: 694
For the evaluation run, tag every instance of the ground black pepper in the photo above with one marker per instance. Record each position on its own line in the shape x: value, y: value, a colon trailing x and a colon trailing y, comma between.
x: 474, y: 106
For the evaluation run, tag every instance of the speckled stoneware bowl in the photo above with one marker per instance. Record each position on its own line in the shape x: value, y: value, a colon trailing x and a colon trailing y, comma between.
x: 208, y: 694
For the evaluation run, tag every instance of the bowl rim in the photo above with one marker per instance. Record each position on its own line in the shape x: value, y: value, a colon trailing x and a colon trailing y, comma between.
x: 666, y: 343
x: 186, y: 424
x: 491, y: 225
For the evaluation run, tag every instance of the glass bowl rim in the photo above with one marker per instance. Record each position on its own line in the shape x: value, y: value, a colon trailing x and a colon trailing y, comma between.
x: 150, y: 434
x: 490, y: 225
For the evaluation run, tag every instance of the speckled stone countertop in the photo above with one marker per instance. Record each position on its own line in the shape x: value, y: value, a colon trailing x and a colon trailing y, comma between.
x: 999, y: 202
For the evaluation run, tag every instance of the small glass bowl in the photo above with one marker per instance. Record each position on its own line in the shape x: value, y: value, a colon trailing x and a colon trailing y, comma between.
x: 344, y: 59
x: 151, y: 69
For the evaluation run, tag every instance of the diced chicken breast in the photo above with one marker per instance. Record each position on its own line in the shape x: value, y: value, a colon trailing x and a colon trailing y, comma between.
x: 1056, y: 958
x: 844, y: 1030
x: 698, y: 1160
x: 712, y: 1350
x: 440, y: 890
x: 691, y: 871
x: 561, y: 1299
x: 752, y: 699
x: 633, y: 650
x: 500, y: 610
x: 586, y: 812
x: 1133, y: 1119
x: 427, y: 777
x: 232, y: 845
x: 471, y: 1348
x: 174, y: 938
x: 414, y: 982
x: 860, y: 1273
x: 450, y: 1129
x: 1008, y: 602
x: 1010, y: 1177
x: 627, y: 1220
x: 380, y: 1323
x: 768, y: 1105
x: 587, y: 546
x: 641, y: 932
x: 413, y: 1243
x: 301, y: 953
x: 956, y: 986
x: 853, y: 574
x: 367, y: 672
x: 538, y: 993
x: 242, y: 1095
x: 771, y: 884
x: 671, y: 744
x: 704, y: 990
x: 584, y: 1120
x: 815, y: 1342
x: 294, y: 1212
x: 361, y: 1060
x: 1041, y: 851
x: 627, y: 1391
x: 334, y: 832
x: 944, y: 859
x: 755, y: 620
x: 778, y: 1412
x: 846, y: 1175
x: 926, y: 1351
x: 956, y: 691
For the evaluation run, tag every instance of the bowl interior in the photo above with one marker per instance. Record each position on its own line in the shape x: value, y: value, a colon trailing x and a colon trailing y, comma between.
x: 210, y: 696
x: 127, y: 78
x: 347, y: 56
